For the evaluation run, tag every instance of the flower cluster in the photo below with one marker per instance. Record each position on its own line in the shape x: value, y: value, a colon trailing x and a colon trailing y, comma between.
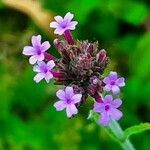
x: 80, y: 69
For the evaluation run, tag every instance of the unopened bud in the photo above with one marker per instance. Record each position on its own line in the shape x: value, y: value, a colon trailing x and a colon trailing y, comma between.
x: 101, y: 55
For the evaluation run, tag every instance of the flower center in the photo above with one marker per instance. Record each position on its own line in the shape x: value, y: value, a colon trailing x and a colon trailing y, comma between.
x: 64, y: 24
x: 68, y: 101
x: 112, y: 83
x: 107, y: 107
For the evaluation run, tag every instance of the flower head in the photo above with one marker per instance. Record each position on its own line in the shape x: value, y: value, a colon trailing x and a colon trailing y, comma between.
x: 36, y: 51
x: 63, y: 24
x: 108, y: 109
x: 112, y: 83
x: 67, y: 99
x: 43, y: 71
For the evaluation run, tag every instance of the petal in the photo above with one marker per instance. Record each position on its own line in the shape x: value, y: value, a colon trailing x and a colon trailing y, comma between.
x: 61, y: 94
x: 48, y: 77
x: 106, y: 80
x: 36, y: 40
x: 54, y: 24
x: 59, y: 31
x: 28, y: 50
x: 104, y: 119
x: 108, y: 99
x: 113, y: 75
x: 116, y: 114
x: 59, y: 105
x: 115, y: 89
x: 107, y: 87
x: 71, y: 110
x: 76, y: 98
x: 33, y: 59
x: 45, y: 46
x: 72, y: 25
x: 59, y: 19
x: 99, y: 107
x: 36, y: 68
x: 120, y: 82
x: 41, y: 57
x: 39, y: 77
x: 68, y: 17
x: 116, y: 103
x: 69, y: 92
x: 50, y: 64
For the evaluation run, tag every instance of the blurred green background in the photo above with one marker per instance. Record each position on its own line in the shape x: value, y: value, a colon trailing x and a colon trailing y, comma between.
x: 28, y: 120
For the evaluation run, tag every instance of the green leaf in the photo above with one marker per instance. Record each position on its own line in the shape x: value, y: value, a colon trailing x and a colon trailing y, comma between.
x: 136, y: 129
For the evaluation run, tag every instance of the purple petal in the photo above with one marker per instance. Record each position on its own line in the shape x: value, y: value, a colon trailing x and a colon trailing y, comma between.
x: 59, y: 19
x: 33, y: 59
x: 104, y: 119
x: 116, y: 103
x: 48, y: 77
x: 72, y: 25
x: 36, y: 40
x: 108, y: 99
x: 107, y: 87
x: 120, y: 82
x: 53, y: 24
x: 115, y: 89
x: 77, y: 98
x: 61, y: 94
x: 29, y: 50
x: 106, y: 80
x: 39, y: 77
x: 99, y: 107
x: 69, y: 92
x: 45, y: 46
x: 68, y: 17
x: 50, y: 64
x: 116, y: 114
x: 59, y: 31
x: 113, y: 75
x: 60, y: 105
x: 71, y: 110
x: 36, y: 68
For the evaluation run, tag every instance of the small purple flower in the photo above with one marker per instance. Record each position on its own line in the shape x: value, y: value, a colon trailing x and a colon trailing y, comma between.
x: 108, y: 109
x: 43, y: 71
x: 36, y: 51
x: 63, y: 24
x: 67, y: 100
x: 113, y: 83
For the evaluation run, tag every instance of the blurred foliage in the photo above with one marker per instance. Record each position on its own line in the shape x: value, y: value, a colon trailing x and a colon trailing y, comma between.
x: 28, y: 120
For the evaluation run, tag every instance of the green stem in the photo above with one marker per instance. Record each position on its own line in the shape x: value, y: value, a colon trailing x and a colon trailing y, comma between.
x: 115, y: 131
x: 119, y: 135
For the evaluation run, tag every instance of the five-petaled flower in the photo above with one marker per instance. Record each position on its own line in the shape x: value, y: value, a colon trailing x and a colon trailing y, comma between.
x: 108, y: 109
x: 43, y: 71
x: 68, y: 99
x: 112, y: 83
x: 36, y: 51
x: 63, y: 24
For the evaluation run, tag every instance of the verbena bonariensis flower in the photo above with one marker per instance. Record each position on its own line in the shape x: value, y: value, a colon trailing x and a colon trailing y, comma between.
x: 81, y: 70
x: 67, y: 100
x: 113, y: 83
x: 43, y: 71
x: 36, y: 51
x: 108, y: 109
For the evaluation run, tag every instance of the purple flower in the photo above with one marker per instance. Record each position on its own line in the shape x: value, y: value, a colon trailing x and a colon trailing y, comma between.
x: 108, y: 109
x: 113, y: 83
x: 67, y: 100
x: 43, y: 71
x: 36, y: 51
x: 63, y: 24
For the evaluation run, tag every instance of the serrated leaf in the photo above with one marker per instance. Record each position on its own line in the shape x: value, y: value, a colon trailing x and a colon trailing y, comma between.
x: 136, y: 129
